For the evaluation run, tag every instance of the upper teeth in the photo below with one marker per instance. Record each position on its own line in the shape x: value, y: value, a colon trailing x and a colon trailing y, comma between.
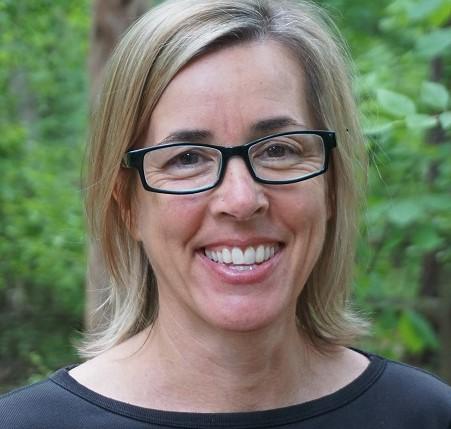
x: 236, y: 256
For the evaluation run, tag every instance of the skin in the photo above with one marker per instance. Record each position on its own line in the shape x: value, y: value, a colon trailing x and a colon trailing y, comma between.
x: 228, y: 341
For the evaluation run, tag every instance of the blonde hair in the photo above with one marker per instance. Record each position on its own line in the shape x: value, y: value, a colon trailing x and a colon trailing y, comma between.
x: 159, y: 45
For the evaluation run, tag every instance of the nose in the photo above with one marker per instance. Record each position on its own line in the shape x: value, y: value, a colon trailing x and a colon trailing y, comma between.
x: 239, y: 196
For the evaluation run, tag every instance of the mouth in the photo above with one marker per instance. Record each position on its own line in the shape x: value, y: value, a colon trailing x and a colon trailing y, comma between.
x: 242, y: 259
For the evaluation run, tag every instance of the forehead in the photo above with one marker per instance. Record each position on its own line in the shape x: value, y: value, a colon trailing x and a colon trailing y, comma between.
x: 232, y: 88
x: 263, y: 60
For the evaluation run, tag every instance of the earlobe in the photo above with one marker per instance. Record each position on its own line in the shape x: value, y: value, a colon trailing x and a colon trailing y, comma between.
x: 133, y: 228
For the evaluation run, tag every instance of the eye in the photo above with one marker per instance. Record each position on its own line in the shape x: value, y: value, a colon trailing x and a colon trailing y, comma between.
x: 187, y: 158
x: 190, y: 158
x: 182, y: 160
x: 278, y: 150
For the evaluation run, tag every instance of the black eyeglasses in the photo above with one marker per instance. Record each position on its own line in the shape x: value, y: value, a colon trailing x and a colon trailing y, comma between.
x: 277, y: 159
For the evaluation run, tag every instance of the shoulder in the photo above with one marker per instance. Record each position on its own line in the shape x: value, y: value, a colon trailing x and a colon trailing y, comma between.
x: 414, y: 392
x: 416, y: 382
x: 43, y: 404
x: 29, y: 406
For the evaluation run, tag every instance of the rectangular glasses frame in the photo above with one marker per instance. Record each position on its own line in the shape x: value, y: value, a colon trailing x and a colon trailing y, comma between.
x: 135, y: 158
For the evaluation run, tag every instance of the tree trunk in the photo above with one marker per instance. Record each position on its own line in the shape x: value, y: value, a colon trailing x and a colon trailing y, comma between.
x: 111, y: 19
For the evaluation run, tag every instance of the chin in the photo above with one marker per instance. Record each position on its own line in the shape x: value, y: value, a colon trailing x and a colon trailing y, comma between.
x: 247, y: 316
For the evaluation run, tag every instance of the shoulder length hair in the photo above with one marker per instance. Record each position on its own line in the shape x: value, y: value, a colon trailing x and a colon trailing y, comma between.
x: 158, y: 46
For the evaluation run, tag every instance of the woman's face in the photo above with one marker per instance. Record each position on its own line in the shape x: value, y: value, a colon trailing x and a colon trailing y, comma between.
x: 232, y: 96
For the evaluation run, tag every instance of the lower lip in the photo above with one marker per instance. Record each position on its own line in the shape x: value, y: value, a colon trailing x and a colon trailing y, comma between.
x: 227, y: 274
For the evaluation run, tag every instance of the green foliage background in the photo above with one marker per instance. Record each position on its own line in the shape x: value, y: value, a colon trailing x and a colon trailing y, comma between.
x: 43, y: 117
x: 43, y: 103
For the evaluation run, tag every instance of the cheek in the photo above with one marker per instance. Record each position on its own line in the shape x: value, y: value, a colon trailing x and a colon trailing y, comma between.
x: 305, y: 206
x: 168, y: 222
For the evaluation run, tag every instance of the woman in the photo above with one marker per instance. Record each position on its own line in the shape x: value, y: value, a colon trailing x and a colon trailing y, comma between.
x: 225, y: 167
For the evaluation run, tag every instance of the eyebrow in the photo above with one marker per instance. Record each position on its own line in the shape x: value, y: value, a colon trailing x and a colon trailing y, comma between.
x: 186, y: 136
x: 275, y: 124
x: 264, y: 126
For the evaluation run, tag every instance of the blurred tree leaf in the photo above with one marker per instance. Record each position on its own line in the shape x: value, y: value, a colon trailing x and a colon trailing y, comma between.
x: 421, y: 10
x: 445, y: 120
x: 394, y: 103
x: 404, y: 212
x: 379, y: 128
x: 435, y: 43
x: 434, y: 95
x: 421, y: 121
x: 416, y: 331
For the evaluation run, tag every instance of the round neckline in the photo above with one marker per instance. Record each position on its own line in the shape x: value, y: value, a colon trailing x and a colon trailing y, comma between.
x: 247, y: 419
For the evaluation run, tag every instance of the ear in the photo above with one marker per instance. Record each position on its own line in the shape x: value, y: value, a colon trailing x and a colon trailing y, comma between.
x: 124, y: 196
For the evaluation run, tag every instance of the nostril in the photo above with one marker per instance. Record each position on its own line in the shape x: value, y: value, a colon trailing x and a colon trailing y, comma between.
x: 241, y: 202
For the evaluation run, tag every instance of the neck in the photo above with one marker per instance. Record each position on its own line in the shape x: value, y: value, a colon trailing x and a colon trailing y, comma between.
x: 233, y: 371
x: 176, y: 368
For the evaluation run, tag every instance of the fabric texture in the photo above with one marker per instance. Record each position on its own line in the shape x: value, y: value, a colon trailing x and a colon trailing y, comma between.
x: 387, y: 395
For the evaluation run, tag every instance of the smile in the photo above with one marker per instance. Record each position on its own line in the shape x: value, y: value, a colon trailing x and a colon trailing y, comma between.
x: 239, y: 257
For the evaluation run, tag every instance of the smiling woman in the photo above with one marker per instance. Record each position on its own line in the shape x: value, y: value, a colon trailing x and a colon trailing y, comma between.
x: 304, y: 68
x: 226, y: 161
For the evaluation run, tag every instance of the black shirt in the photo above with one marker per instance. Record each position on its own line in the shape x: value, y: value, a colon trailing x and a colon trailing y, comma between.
x: 387, y: 395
